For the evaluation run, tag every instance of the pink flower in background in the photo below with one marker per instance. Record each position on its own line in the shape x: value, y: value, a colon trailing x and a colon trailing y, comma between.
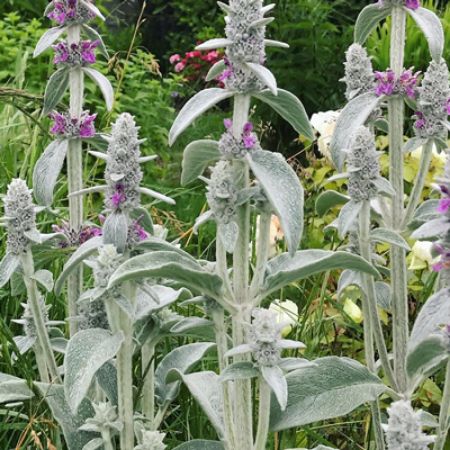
x: 175, y: 58
x: 180, y: 66
x: 212, y: 56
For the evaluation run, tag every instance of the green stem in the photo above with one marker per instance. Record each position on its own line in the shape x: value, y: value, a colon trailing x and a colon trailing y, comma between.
x: 419, y: 182
x: 374, y: 320
x: 444, y: 414
x: 40, y: 362
x: 106, y: 436
x: 263, y: 415
x: 75, y: 177
x: 38, y: 318
x: 398, y: 255
x: 148, y: 398
x: 243, y: 409
x: 125, y: 372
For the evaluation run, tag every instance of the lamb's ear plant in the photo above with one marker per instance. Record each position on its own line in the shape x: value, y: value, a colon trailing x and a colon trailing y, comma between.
x: 419, y: 354
x: 73, y: 58
x: 244, y: 183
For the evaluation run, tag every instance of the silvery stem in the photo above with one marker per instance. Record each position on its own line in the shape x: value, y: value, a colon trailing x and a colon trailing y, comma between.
x: 444, y: 414
x: 263, y: 415
x: 125, y: 371
x: 106, y: 436
x: 241, y: 257
x: 38, y: 318
x: 148, y: 397
x: 40, y: 362
x: 419, y: 182
x: 218, y: 316
x: 75, y: 176
x: 374, y: 320
x: 398, y: 255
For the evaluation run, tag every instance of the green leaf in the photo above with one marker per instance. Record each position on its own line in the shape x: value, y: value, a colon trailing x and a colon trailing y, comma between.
x: 169, y: 265
x: 181, y: 359
x: 389, y: 236
x: 239, y: 371
x: 368, y: 19
x: 284, y: 269
x: 216, y: 70
x: 264, y: 75
x: 82, y: 252
x: 384, y: 295
x: 45, y: 279
x: 199, y: 444
x: 276, y: 380
x: 328, y: 200
x: 47, y: 170
x: 431, y: 229
x: 355, y: 114
x: 53, y: 394
x: 286, y: 200
x: 197, y: 156
x: 115, y: 230
x: 206, y: 389
x: 8, y: 266
x: 13, y: 389
x: 86, y: 353
x: 348, y: 217
x: 431, y: 27
x: 47, y: 39
x: 103, y: 83
x: 332, y: 388
x: 425, y: 212
x: 195, y: 107
x: 56, y: 87
x: 107, y: 380
x: 155, y: 244
x: 290, y: 108
x: 143, y: 217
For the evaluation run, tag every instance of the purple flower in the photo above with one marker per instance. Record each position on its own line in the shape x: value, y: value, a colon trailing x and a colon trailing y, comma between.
x: 412, y: 4
x: 59, y: 123
x: 119, y: 196
x: 385, y: 83
x: 447, y: 106
x: 420, y: 123
x: 87, y: 128
x: 66, y: 11
x: 69, y: 127
x: 228, y: 123
x: 227, y: 73
x: 61, y: 53
x: 74, y: 238
x: 408, y: 82
x: 82, y: 53
x: 444, y: 205
x: 139, y: 231
x: 444, y: 262
x: 88, y: 51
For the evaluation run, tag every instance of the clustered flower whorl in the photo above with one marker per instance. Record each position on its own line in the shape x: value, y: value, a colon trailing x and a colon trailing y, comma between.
x: 81, y: 54
x: 68, y: 12
x: 27, y: 319
x: 105, y: 418
x: 265, y: 337
x: 93, y: 314
x: 151, y: 440
x: 230, y: 147
x: 433, y: 102
x: 69, y: 127
x: 222, y: 192
x: 363, y: 166
x: 247, y: 45
x: 123, y: 173
x: 359, y: 77
x: 404, y: 430
x: 20, y: 215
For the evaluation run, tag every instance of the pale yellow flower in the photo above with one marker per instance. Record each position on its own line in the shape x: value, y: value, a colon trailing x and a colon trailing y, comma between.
x: 421, y: 257
x: 353, y: 310
x: 325, y: 124
x: 287, y: 314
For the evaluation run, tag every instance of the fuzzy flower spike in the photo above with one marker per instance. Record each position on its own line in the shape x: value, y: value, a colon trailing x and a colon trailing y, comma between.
x: 70, y: 12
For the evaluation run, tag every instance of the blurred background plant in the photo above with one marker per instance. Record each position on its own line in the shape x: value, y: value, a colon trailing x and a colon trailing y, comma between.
x: 152, y: 87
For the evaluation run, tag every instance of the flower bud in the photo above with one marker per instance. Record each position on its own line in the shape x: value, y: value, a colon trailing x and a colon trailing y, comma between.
x: 359, y: 77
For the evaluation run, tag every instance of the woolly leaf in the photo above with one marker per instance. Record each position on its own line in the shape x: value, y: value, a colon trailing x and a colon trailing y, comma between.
x: 347, y: 219
x: 287, y: 202
x: 195, y: 107
x: 93, y: 35
x: 86, y: 353
x: 169, y: 265
x: 115, y: 230
x: 284, y: 269
x: 213, y: 44
x: 239, y: 371
x: 328, y: 200
x: 197, y: 156
x: 56, y: 87
x: 431, y: 27
x: 199, y: 444
x: 182, y: 359
x: 81, y: 253
x: 216, y: 70
x: 8, y: 265
x: 13, y: 389
x: 265, y: 76
x: 276, y: 380
x: 433, y: 228
x: 47, y: 170
x: 45, y: 279
x: 47, y: 39
x: 107, y: 380
x: 355, y: 114
x: 70, y: 423
x: 94, y: 444
x: 331, y: 388
x: 104, y: 85
x: 389, y: 236
x: 290, y: 108
x: 368, y: 19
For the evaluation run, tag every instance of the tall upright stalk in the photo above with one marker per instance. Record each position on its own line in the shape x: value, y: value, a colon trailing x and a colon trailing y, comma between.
x: 243, y: 392
x: 398, y: 255
x: 75, y: 176
x: 148, y: 391
x: 444, y: 415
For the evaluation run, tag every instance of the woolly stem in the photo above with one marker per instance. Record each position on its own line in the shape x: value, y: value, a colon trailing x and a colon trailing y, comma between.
x: 398, y: 255
x: 125, y: 371
x: 148, y: 398
x: 444, y: 414
x: 263, y: 415
x: 218, y: 316
x: 40, y: 362
x: 243, y: 392
x: 374, y: 321
x: 419, y: 182
x: 38, y: 318
x: 106, y: 436
x: 75, y: 176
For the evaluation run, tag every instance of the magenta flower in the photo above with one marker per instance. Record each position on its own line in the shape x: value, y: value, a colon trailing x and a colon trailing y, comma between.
x: 447, y: 106
x: 77, y: 54
x: 444, y: 205
x: 67, y: 11
x: 119, y: 196
x: 88, y: 51
x: 228, y: 123
x: 412, y: 4
x: 139, y: 231
x: 421, y: 122
x: 74, y: 238
x: 385, y: 83
x: 59, y: 123
x: 408, y: 82
x: 87, y: 128
x: 444, y: 262
x: 70, y: 127
x: 248, y: 137
x: 61, y: 53
x: 180, y: 66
